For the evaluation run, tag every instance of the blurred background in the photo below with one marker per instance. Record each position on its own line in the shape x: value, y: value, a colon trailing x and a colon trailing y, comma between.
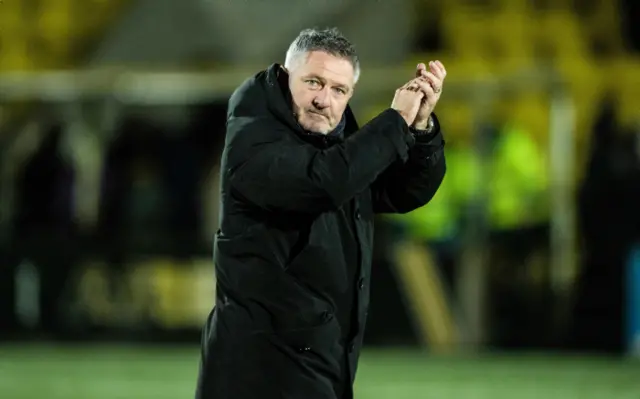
x: 521, y: 279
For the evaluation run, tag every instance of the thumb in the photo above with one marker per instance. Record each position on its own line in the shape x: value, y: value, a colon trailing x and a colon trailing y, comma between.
x: 421, y: 67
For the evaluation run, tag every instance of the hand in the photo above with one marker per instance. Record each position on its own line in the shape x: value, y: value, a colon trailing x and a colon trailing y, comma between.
x: 407, y: 101
x: 430, y: 83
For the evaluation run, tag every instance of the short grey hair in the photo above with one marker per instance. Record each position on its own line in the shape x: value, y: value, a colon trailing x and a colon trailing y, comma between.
x: 329, y: 40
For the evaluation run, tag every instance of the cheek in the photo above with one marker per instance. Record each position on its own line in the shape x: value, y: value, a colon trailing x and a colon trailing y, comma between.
x: 301, y: 98
x: 339, y: 108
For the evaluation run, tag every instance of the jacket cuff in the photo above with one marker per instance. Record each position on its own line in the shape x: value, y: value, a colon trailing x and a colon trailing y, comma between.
x: 425, y: 136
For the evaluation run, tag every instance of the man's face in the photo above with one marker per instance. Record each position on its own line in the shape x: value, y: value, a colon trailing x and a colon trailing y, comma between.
x: 321, y: 87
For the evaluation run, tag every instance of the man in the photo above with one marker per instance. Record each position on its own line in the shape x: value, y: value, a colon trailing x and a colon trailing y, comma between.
x: 299, y: 189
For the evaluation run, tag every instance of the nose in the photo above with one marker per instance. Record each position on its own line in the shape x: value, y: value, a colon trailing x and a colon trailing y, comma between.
x: 322, y: 99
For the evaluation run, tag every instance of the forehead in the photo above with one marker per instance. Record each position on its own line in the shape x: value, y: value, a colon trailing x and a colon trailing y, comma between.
x: 329, y: 67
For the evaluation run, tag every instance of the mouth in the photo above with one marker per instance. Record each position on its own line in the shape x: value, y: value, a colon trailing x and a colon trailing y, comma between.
x: 317, y: 114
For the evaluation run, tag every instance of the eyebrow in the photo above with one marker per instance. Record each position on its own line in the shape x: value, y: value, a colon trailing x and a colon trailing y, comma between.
x: 324, y: 81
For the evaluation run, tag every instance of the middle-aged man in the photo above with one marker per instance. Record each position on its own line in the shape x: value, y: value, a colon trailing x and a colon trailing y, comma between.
x: 300, y: 186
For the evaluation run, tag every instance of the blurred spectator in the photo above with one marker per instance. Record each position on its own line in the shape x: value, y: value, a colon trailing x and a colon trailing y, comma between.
x: 44, y: 232
x: 518, y: 216
x: 610, y: 225
x: 630, y: 14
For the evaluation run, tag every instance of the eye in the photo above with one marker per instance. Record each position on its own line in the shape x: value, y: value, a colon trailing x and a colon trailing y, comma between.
x: 312, y: 82
x: 340, y: 91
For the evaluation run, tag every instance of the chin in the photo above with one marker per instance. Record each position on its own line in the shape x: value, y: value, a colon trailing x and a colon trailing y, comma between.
x: 321, y: 128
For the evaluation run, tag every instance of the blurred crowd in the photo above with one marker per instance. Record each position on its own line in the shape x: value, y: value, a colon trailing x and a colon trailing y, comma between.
x: 145, y: 187
x: 78, y: 185
x: 156, y: 195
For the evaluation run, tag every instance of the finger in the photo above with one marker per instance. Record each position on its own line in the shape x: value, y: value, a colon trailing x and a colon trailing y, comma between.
x: 421, y: 67
x: 436, y: 70
x: 442, y: 68
x: 413, y: 85
x: 427, y: 89
x: 435, y: 82
x: 430, y: 76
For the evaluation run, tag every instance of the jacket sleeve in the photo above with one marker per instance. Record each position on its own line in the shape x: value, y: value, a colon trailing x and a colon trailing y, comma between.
x: 270, y: 169
x: 408, y: 185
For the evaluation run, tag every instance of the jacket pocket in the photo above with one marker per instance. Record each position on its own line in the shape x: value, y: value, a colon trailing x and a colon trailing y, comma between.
x: 269, y: 365
x: 316, y: 348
